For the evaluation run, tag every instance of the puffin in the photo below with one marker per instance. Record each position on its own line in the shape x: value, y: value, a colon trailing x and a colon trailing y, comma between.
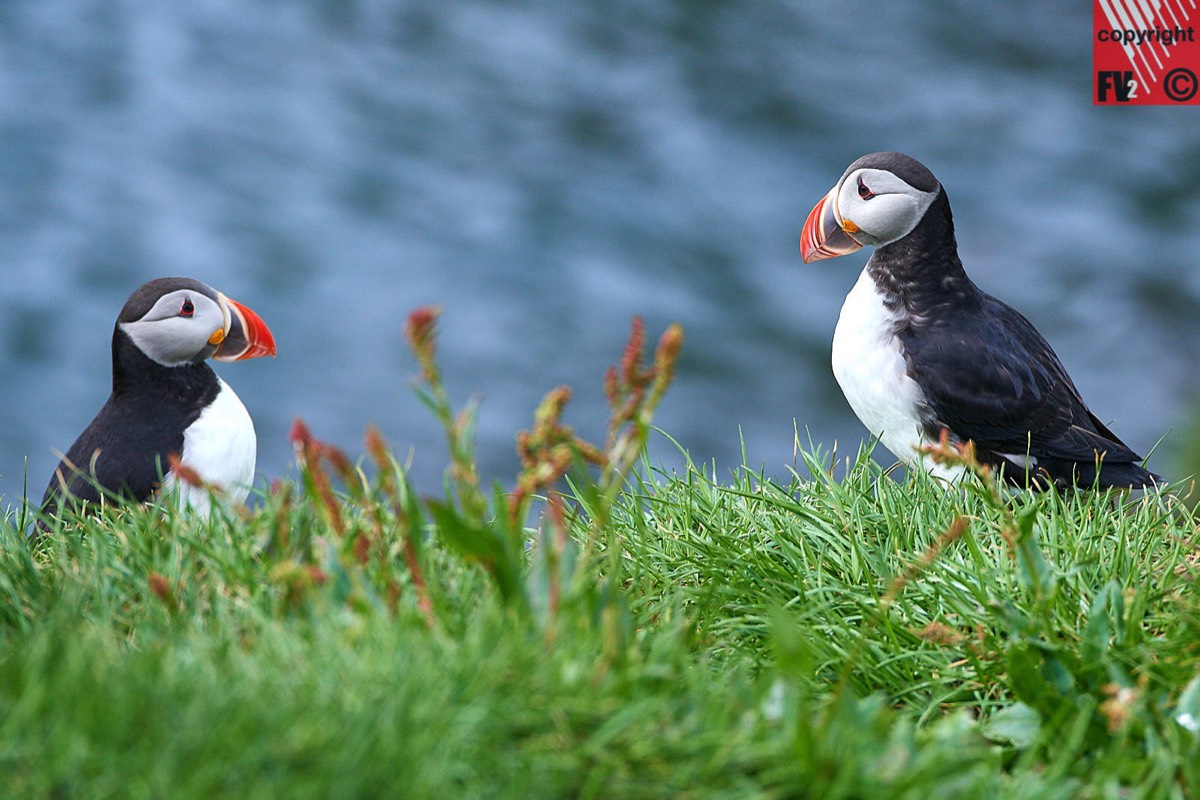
x: 920, y: 350
x: 166, y: 400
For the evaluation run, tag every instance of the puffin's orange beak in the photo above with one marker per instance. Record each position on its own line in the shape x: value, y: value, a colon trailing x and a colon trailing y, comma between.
x: 824, y: 235
x: 246, y: 337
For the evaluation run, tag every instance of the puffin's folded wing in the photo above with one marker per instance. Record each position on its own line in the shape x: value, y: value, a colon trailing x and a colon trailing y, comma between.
x: 1004, y: 388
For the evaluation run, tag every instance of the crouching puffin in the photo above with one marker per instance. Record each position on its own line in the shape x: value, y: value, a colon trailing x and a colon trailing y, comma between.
x: 920, y: 349
x: 166, y: 400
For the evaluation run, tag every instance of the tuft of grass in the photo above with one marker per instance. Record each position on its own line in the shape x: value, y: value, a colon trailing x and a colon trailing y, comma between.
x: 604, y: 628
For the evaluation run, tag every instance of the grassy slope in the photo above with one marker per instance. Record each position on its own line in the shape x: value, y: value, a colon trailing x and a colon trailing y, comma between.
x: 669, y: 636
x: 731, y: 639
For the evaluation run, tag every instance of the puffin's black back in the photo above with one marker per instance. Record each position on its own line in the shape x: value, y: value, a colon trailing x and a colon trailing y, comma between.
x: 143, y: 420
x: 987, y: 374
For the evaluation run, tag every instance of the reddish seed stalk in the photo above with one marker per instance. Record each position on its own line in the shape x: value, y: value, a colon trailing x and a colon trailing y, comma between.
x: 556, y: 514
x: 631, y: 359
x: 160, y: 587
x: 362, y: 548
x: 308, y: 453
x: 284, y: 492
x: 963, y: 454
x: 952, y: 534
x: 377, y: 448
x: 421, y: 332
x: 424, y: 601
x: 184, y: 473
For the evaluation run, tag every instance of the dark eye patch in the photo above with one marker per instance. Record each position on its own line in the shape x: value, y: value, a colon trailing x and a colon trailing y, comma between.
x: 187, y: 309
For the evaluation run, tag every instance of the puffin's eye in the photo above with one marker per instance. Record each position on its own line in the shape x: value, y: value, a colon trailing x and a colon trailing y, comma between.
x: 863, y: 191
x: 188, y: 309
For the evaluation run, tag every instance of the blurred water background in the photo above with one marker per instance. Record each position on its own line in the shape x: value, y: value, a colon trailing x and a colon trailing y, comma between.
x: 544, y: 171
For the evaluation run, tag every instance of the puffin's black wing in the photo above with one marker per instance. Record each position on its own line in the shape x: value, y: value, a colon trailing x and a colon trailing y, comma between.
x: 124, y: 449
x: 130, y: 449
x: 989, y: 376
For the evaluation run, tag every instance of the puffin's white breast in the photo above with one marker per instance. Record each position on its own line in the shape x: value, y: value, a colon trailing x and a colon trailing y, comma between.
x: 870, y: 368
x: 221, y: 447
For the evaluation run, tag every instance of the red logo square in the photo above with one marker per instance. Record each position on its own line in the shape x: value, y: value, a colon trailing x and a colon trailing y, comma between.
x: 1145, y: 53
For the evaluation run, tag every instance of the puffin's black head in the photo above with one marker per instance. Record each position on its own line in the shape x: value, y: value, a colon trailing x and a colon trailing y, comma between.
x: 177, y: 321
x: 879, y: 199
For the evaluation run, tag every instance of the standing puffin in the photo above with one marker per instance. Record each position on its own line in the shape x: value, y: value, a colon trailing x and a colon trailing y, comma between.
x: 919, y: 348
x: 166, y: 400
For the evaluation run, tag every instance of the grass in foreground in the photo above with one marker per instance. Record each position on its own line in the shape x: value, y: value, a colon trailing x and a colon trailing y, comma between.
x: 660, y: 635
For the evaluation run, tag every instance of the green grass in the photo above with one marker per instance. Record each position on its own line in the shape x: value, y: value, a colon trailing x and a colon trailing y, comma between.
x: 738, y: 638
x: 847, y: 635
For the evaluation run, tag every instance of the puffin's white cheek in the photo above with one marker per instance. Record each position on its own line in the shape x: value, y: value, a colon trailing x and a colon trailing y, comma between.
x: 887, y: 218
x: 170, y: 342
